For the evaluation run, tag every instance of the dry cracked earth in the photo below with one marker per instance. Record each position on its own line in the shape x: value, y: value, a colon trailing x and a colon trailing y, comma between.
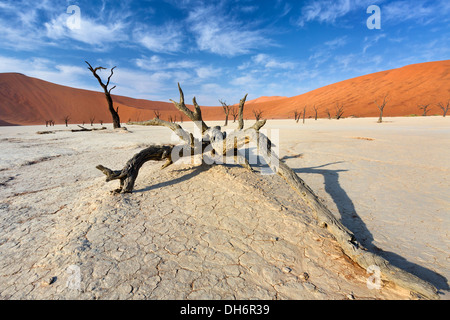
x: 187, y: 232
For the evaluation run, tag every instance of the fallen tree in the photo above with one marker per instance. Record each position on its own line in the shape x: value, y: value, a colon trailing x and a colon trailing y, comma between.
x: 219, y: 144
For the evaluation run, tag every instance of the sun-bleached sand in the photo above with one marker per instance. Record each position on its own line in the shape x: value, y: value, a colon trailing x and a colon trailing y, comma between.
x: 221, y: 232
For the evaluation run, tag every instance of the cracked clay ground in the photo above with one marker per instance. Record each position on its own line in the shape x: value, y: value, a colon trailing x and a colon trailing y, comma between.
x: 187, y: 232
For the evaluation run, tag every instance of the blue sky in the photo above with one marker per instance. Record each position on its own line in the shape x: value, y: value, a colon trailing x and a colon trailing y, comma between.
x: 218, y: 49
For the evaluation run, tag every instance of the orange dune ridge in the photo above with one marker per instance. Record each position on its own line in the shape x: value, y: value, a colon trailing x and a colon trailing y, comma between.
x: 30, y: 101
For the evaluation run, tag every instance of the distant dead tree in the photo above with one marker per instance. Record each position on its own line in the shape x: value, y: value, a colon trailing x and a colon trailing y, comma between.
x: 234, y: 113
x: 315, y: 110
x: 304, y: 114
x: 381, y: 107
x: 339, y: 111
x: 297, y: 115
x: 425, y: 109
x: 101, y: 122
x: 84, y: 122
x: 226, y: 109
x: 444, y: 107
x: 66, y: 120
x: 92, y: 119
x: 157, y: 114
x: 241, y: 112
x: 258, y: 114
x: 114, y: 113
x: 171, y: 118
x: 328, y: 113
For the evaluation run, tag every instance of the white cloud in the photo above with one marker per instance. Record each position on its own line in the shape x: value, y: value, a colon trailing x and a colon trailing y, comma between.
x: 89, y: 32
x: 219, y: 33
x: 420, y: 11
x: 272, y: 63
x: 329, y: 11
x: 167, y: 38
x: 68, y: 75
x: 371, y: 41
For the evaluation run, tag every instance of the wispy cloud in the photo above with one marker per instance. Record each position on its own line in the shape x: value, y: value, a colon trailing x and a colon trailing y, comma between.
x: 46, y: 69
x: 167, y: 38
x: 218, y: 32
x: 329, y: 11
x: 422, y: 12
x: 371, y: 41
x: 91, y: 32
x: 269, y: 62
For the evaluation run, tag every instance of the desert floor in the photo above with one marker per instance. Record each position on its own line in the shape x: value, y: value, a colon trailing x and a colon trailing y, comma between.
x: 222, y: 232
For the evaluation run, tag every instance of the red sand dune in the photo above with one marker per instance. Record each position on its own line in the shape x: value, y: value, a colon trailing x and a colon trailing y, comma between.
x: 30, y: 101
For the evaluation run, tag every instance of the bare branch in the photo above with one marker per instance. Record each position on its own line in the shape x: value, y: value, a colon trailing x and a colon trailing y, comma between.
x: 195, y: 116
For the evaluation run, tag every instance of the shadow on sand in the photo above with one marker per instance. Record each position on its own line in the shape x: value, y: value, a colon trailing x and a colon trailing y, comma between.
x: 351, y: 219
x: 349, y: 216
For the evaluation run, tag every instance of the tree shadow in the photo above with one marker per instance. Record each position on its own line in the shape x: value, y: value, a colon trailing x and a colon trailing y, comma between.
x: 351, y: 220
x: 192, y: 172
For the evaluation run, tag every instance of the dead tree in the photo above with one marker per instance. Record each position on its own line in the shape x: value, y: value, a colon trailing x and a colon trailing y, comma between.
x: 258, y: 114
x: 339, y: 111
x: 381, y: 107
x: 241, y: 113
x: 297, y: 115
x: 101, y: 122
x: 114, y: 113
x: 425, y: 109
x: 214, y: 139
x: 157, y: 114
x: 444, y: 107
x: 226, y: 110
x: 328, y: 114
x: 92, y: 119
x: 315, y: 111
x: 234, y: 113
x: 66, y: 120
x: 304, y: 114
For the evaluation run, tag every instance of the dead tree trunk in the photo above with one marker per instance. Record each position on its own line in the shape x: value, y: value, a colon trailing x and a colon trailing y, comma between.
x: 339, y: 111
x: 315, y: 112
x: 213, y: 139
x: 234, y: 113
x: 444, y: 107
x: 381, y: 108
x: 66, y: 120
x: 241, y: 113
x: 424, y: 107
x: 297, y: 116
x: 129, y: 173
x: 114, y: 113
x: 258, y: 114
x: 226, y: 110
x: 304, y: 114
